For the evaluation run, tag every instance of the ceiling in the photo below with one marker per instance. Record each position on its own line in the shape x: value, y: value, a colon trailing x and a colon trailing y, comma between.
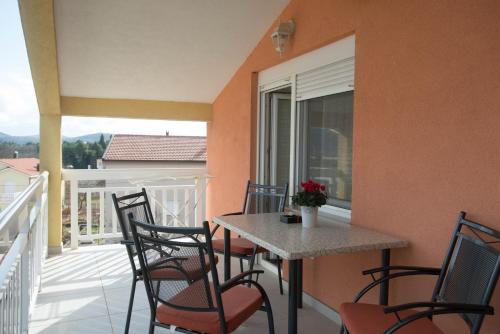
x: 171, y: 50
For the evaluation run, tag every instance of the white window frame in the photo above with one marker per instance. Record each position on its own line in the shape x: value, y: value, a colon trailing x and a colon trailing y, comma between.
x: 284, y: 75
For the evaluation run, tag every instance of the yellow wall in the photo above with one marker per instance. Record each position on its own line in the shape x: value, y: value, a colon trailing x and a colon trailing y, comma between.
x: 37, y: 17
x: 129, y: 108
x: 51, y: 161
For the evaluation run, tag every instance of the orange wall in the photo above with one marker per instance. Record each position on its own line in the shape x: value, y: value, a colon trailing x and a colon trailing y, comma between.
x: 426, y: 130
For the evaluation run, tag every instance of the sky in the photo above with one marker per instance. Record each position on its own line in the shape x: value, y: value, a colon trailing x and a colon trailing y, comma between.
x: 18, y: 106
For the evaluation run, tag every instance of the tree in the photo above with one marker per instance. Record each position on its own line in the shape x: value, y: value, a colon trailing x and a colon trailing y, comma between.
x: 81, y: 154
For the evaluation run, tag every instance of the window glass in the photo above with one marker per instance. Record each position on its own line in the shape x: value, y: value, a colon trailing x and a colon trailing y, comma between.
x: 325, y: 150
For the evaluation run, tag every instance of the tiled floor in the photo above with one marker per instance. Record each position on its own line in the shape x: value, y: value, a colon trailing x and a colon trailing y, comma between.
x: 87, y: 290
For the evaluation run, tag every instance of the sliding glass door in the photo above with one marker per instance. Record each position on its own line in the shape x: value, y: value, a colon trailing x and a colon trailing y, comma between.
x: 276, y: 140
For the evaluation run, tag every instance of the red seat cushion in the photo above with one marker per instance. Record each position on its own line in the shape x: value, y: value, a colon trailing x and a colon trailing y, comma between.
x: 191, y: 266
x: 362, y: 318
x: 239, y: 304
x: 240, y: 246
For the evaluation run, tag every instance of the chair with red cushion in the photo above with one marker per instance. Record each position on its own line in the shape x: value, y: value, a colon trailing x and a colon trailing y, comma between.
x: 259, y: 198
x: 187, y: 303
x: 464, y: 286
x: 137, y: 204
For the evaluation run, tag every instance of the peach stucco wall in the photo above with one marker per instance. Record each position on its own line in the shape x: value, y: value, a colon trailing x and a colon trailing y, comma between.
x: 426, y: 130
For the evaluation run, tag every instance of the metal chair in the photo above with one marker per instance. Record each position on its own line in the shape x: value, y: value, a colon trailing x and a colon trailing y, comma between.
x: 465, y: 284
x: 192, y: 303
x: 138, y: 206
x: 258, y: 199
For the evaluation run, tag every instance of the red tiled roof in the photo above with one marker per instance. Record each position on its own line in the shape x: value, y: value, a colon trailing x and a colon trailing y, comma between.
x: 24, y: 165
x: 156, y: 148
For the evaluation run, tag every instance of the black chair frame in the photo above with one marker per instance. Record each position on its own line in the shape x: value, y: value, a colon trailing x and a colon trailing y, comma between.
x: 437, y: 306
x: 251, y: 258
x: 122, y: 204
x: 194, y: 240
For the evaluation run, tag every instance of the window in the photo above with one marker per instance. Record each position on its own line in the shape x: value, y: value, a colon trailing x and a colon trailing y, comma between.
x: 325, y: 149
x: 316, y: 126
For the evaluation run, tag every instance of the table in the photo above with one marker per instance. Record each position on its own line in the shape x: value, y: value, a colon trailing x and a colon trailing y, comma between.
x: 293, y: 243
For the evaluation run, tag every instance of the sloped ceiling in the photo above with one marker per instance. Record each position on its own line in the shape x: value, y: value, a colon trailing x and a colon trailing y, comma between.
x: 172, y: 50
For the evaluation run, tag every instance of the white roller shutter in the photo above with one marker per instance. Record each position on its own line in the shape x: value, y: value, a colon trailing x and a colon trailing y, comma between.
x: 329, y: 79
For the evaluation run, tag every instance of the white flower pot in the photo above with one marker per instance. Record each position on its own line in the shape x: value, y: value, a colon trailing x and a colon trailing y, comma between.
x: 309, y: 216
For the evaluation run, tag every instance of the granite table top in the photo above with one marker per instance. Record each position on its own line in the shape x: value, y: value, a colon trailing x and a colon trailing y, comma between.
x: 292, y: 241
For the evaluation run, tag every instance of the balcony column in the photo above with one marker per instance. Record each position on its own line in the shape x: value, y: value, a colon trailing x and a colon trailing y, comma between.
x: 51, y: 161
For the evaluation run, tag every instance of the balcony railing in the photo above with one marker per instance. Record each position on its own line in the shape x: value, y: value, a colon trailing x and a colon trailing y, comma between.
x: 23, y: 248
x: 177, y: 197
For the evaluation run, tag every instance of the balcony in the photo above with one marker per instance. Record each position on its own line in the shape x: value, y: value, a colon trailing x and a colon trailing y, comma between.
x: 395, y: 106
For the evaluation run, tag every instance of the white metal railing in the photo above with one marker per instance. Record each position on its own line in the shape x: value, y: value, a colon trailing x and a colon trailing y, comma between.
x: 176, y: 195
x: 23, y: 248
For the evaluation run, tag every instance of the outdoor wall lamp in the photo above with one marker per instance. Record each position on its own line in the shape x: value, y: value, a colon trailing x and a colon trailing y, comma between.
x: 281, y: 35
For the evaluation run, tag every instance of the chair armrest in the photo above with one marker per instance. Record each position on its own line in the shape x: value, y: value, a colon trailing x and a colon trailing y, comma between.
x: 429, y: 270
x: 392, y: 276
x: 434, y: 308
x: 473, y: 308
x: 169, y: 259
x: 233, y: 281
x: 212, y: 233
x: 127, y: 242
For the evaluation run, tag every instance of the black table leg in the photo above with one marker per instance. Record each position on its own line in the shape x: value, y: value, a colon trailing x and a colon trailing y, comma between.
x: 299, y: 282
x: 227, y: 254
x: 384, y: 286
x: 292, y: 296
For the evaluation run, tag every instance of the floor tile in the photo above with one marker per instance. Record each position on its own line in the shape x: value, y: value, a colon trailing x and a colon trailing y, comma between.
x: 117, y: 299
x: 71, y: 306
x: 99, y: 325
x: 139, y: 323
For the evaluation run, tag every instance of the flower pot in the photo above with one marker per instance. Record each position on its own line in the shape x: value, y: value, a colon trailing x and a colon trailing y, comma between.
x: 309, y: 216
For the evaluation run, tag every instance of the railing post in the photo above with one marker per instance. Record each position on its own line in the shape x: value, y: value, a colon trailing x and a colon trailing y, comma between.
x: 25, y: 289
x: 199, y: 199
x: 101, y: 212
x: 164, y: 203
x: 88, y: 203
x: 176, y: 208
x: 45, y: 219
x: 75, y: 231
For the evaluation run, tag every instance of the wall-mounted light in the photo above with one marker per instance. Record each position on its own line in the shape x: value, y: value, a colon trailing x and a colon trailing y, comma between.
x: 281, y: 35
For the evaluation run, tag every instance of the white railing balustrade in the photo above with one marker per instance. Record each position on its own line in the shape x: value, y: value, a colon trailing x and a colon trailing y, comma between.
x: 177, y: 198
x: 23, y: 248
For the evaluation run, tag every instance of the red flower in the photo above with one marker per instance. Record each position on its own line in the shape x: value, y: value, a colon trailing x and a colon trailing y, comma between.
x: 311, y: 186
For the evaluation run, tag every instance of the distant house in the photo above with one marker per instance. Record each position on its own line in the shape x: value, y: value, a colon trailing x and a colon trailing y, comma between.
x: 145, y: 151
x: 15, y: 175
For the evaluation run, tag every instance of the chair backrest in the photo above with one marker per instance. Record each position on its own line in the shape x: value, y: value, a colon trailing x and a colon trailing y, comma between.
x: 175, y: 266
x: 262, y: 198
x: 471, y: 268
x: 138, y: 205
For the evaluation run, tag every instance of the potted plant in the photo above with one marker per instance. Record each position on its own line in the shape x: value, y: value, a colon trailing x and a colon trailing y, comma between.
x: 309, y: 199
